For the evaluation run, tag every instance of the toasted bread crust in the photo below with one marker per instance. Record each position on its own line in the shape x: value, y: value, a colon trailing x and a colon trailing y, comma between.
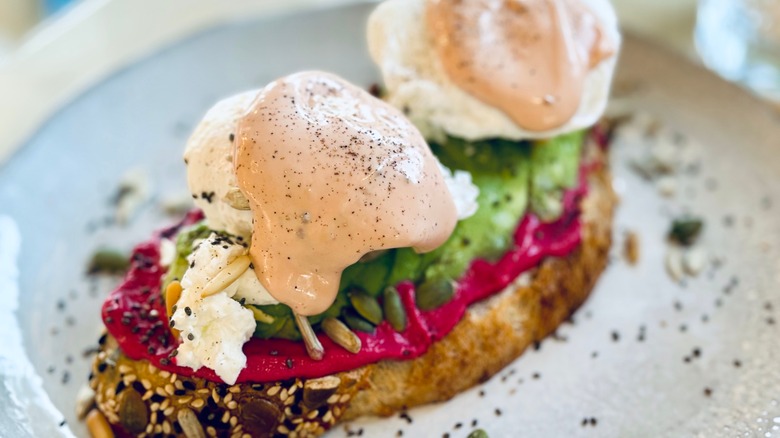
x: 526, y: 312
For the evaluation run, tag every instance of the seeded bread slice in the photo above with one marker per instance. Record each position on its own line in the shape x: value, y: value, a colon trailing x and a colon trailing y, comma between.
x: 141, y: 400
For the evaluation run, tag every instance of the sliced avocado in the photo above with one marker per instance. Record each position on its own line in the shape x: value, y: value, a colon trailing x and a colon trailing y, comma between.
x: 554, y: 168
x: 501, y: 171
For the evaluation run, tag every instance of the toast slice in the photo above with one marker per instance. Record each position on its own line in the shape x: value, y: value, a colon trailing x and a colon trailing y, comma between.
x: 141, y: 400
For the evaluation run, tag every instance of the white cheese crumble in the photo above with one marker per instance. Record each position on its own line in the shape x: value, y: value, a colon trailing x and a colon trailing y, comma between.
x: 464, y: 192
x: 214, y: 329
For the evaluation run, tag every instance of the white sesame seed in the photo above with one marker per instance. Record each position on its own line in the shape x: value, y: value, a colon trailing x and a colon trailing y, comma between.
x: 344, y: 398
x: 232, y: 405
x: 168, y: 411
x: 154, y: 407
x: 165, y: 403
x: 147, y: 384
x: 272, y: 391
x: 328, y: 417
x: 333, y: 399
x: 197, y: 404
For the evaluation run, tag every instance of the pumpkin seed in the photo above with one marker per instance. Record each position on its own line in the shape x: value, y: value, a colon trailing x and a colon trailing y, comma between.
x: 479, y: 433
x: 394, y: 309
x: 341, y: 334
x: 108, y: 261
x: 366, y: 306
x: 355, y: 322
x: 260, y: 416
x: 133, y: 413
x: 686, y: 231
x: 433, y: 294
x: 317, y: 391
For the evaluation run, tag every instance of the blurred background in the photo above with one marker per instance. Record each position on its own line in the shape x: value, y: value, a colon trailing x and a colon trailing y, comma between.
x: 49, y: 49
x: 671, y: 21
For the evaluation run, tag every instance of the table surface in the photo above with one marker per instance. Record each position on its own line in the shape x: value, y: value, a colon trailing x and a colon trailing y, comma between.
x: 66, y: 54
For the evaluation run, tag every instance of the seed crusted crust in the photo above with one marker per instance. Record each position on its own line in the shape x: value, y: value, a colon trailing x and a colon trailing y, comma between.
x: 144, y: 401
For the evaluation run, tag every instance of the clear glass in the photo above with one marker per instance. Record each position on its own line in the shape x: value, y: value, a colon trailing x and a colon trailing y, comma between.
x: 740, y: 39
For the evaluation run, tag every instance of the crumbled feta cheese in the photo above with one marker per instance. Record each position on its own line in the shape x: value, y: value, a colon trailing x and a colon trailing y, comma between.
x: 167, y: 252
x: 213, y: 332
x: 464, y: 192
x: 214, y: 329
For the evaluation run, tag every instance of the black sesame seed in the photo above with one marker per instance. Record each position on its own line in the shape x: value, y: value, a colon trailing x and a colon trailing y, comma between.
x: 593, y: 421
x: 289, y: 362
x: 497, y: 412
x: 190, y: 336
x: 102, y: 367
x: 188, y: 311
x: 707, y: 392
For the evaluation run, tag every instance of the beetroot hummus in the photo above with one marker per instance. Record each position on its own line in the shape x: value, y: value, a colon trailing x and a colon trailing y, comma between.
x: 134, y: 313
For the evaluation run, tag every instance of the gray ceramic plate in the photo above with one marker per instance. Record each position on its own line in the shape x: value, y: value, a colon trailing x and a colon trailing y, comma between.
x: 646, y: 356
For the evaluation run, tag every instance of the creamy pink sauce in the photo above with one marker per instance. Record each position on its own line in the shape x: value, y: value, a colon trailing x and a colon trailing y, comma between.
x: 134, y: 313
x: 332, y: 173
x: 528, y: 58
